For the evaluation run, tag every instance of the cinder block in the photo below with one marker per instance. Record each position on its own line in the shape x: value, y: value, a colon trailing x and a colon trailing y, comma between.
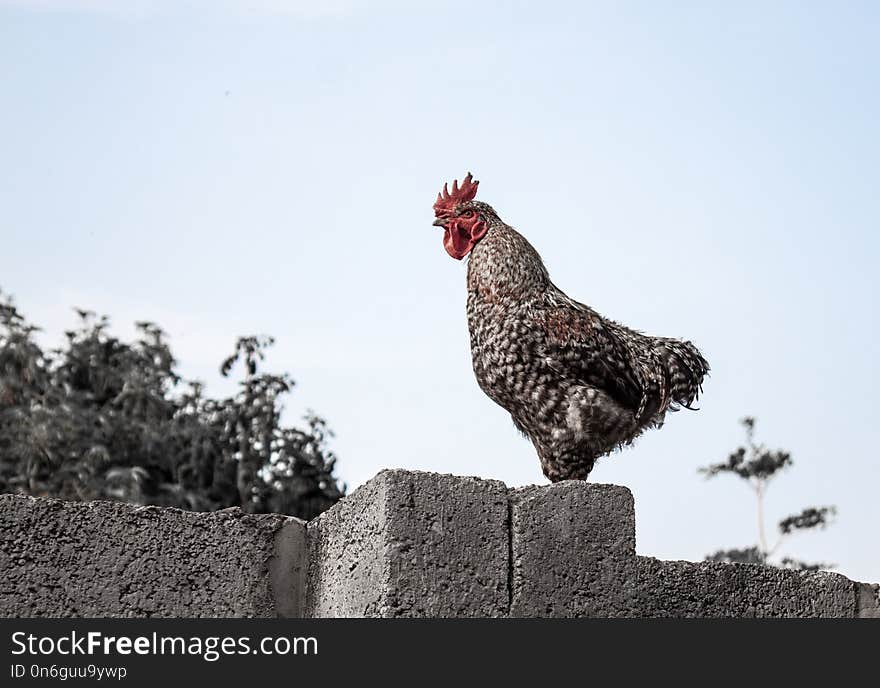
x: 93, y: 559
x: 412, y: 544
x: 572, y: 549
x: 714, y: 589
x: 868, y: 600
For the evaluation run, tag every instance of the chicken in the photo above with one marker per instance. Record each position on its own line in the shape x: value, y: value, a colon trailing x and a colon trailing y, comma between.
x: 576, y: 384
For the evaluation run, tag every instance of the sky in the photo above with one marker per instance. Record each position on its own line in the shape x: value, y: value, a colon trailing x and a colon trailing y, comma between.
x: 699, y: 170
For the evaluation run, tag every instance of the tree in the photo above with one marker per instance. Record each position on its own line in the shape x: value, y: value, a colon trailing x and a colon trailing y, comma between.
x: 757, y: 466
x: 100, y: 418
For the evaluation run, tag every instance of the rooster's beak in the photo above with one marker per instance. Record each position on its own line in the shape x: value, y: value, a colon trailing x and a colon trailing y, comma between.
x: 439, y: 222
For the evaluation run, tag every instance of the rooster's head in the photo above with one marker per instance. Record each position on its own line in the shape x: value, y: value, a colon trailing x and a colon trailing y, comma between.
x: 463, y: 220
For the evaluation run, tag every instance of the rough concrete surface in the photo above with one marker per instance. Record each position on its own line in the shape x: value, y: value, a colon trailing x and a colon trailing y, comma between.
x: 347, y: 574
x: 714, y: 589
x: 405, y: 544
x: 868, y: 600
x: 90, y: 559
x: 572, y: 546
x: 412, y: 544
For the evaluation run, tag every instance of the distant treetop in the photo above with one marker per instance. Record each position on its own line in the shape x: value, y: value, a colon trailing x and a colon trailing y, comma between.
x: 757, y: 465
x: 100, y: 418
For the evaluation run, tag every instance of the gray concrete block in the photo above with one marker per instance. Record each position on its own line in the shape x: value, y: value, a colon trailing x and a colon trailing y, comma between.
x: 412, y: 544
x: 90, y: 559
x: 714, y: 589
x: 346, y: 555
x: 572, y: 549
x: 868, y: 600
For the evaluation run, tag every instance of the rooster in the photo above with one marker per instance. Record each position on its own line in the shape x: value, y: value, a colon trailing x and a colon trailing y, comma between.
x: 576, y: 384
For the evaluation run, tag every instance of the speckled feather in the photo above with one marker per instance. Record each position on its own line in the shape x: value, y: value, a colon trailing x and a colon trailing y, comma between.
x: 577, y: 384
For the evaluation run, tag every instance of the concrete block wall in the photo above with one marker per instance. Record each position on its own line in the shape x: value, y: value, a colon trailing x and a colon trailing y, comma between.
x: 405, y: 544
x: 107, y: 559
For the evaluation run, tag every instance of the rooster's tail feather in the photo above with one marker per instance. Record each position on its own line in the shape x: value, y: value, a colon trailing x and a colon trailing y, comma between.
x: 686, y: 368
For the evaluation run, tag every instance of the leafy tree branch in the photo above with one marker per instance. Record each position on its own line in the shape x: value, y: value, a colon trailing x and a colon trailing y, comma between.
x: 100, y: 418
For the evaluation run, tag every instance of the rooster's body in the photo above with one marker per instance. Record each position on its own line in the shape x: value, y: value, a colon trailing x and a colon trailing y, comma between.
x: 576, y: 384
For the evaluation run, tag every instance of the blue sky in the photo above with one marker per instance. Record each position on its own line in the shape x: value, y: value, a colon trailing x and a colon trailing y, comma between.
x: 701, y: 170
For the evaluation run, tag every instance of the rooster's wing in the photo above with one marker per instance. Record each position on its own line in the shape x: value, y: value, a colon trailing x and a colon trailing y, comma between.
x: 580, y: 344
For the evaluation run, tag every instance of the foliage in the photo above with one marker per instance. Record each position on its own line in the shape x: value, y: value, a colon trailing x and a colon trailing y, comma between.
x: 757, y: 466
x: 100, y: 418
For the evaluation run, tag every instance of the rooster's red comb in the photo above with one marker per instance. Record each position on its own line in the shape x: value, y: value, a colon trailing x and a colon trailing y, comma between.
x: 446, y: 201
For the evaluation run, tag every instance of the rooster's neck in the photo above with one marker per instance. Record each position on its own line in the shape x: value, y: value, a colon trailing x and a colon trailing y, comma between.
x: 505, y: 265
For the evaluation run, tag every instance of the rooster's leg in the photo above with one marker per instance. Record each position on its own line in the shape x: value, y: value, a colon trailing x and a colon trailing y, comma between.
x: 567, y: 466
